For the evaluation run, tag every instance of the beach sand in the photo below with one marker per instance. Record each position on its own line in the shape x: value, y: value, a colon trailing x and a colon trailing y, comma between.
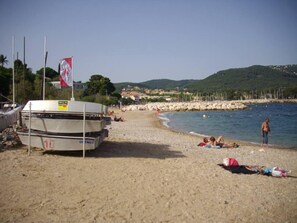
x: 144, y: 172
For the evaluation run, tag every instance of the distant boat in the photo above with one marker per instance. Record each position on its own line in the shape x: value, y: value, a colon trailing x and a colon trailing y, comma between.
x: 63, y: 124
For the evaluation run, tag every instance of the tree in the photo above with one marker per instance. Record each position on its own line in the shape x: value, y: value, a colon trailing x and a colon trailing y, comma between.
x: 99, y: 85
x: 5, y: 79
x: 3, y: 60
x: 49, y: 73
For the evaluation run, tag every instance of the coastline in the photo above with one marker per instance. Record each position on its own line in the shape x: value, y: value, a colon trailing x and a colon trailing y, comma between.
x: 245, y: 120
x: 144, y: 172
x: 202, y: 105
x: 228, y: 139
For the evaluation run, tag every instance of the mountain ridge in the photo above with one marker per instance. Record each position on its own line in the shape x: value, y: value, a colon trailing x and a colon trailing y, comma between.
x: 247, y: 78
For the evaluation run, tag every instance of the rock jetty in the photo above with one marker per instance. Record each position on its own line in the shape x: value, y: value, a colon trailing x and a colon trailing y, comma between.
x: 187, y: 106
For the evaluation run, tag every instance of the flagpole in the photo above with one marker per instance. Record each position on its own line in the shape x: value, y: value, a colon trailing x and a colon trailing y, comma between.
x: 24, y: 68
x: 13, y: 88
x: 44, y: 54
x: 72, y: 98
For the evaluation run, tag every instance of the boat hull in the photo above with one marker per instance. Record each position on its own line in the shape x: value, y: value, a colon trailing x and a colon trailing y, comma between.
x: 60, y: 125
x: 62, y: 142
x: 64, y: 106
x: 64, y: 125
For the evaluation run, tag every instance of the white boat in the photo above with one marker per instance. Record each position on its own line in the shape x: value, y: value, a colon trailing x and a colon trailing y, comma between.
x: 64, y: 107
x: 64, y: 116
x: 62, y: 142
x: 62, y: 124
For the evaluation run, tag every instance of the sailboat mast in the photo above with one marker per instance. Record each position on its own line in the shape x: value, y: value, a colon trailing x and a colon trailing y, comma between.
x: 72, y: 98
x: 13, y: 88
x: 44, y: 51
x: 24, y: 68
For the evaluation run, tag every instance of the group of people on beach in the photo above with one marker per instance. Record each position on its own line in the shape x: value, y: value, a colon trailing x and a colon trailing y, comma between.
x: 212, y: 142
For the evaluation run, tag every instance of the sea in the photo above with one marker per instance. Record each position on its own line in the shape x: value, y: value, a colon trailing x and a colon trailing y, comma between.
x: 243, y: 125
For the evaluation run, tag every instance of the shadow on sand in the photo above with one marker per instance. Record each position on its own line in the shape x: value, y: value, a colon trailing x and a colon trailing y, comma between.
x: 110, y: 149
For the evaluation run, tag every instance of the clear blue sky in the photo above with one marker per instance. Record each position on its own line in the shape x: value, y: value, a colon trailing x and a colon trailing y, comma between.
x: 138, y: 40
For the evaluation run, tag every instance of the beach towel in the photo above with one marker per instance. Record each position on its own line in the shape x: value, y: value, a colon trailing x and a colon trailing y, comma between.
x: 240, y: 169
x: 232, y: 165
x: 207, y: 146
x: 279, y: 172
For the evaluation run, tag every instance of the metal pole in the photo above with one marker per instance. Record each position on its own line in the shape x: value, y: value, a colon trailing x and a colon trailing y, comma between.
x: 24, y: 68
x: 72, y: 98
x: 44, y: 51
x: 84, y: 130
x: 13, y: 88
x: 29, y: 133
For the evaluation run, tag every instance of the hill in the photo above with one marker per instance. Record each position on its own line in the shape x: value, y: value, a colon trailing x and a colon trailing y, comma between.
x: 249, y: 78
x: 167, y: 84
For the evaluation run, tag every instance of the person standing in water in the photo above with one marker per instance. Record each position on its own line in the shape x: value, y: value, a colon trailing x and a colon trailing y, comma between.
x: 265, y: 129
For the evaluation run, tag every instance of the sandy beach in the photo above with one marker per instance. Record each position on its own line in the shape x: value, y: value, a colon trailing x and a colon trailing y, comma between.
x: 144, y: 172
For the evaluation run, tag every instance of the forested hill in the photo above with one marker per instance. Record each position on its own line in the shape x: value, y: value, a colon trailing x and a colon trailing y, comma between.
x: 249, y: 78
x: 254, y: 77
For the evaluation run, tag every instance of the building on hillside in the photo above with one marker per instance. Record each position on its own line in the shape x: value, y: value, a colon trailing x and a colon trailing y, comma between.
x: 134, y: 95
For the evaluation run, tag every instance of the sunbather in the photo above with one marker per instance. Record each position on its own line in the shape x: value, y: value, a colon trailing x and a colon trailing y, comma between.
x: 232, y: 165
x: 116, y: 119
x: 219, y: 143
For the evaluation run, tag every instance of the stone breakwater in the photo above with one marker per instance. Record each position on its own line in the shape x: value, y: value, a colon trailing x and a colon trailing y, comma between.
x: 187, y: 106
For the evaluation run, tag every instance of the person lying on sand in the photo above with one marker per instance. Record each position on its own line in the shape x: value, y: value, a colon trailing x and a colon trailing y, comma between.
x: 213, y: 143
x: 204, y: 143
x: 220, y: 142
x: 232, y: 165
x: 116, y: 119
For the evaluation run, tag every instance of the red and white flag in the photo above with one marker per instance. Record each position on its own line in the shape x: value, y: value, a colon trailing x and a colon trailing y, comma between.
x: 66, y: 77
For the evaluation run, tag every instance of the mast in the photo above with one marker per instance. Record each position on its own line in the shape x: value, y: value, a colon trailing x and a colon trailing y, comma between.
x: 16, y: 76
x: 72, y: 98
x: 44, y: 53
x: 13, y: 89
x: 24, y: 68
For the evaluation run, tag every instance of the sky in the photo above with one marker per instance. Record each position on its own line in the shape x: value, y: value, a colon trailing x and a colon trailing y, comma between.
x: 141, y: 40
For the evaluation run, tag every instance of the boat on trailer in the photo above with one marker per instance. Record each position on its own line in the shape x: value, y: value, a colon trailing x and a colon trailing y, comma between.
x: 64, y: 125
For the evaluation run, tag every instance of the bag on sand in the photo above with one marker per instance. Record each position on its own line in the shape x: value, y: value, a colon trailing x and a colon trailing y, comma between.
x: 279, y: 172
x: 230, y: 162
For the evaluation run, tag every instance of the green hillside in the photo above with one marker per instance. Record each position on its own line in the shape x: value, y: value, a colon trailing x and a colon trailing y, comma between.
x: 249, y: 78
x: 166, y: 84
x: 122, y: 85
x: 254, y: 77
x: 155, y: 84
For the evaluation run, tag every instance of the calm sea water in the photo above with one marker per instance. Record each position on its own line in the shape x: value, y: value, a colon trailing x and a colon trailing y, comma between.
x: 241, y: 124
